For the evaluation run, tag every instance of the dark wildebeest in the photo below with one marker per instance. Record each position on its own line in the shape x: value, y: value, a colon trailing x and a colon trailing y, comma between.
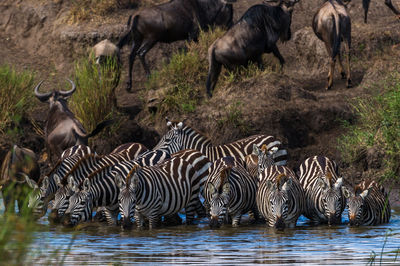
x: 332, y: 24
x: 387, y: 2
x: 62, y: 129
x: 170, y: 22
x: 18, y: 165
x: 256, y: 32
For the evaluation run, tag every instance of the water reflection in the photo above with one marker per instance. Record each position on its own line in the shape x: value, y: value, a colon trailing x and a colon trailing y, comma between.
x: 198, y: 244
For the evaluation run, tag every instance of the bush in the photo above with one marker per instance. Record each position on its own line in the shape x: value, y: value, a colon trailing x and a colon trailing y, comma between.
x: 93, y: 100
x: 16, y: 96
x: 378, y: 126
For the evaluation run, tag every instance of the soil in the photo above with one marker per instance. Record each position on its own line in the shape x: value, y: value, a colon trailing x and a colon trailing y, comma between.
x: 291, y: 104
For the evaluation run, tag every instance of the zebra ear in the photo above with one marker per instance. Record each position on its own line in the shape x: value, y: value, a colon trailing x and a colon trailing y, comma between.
x: 30, y: 182
x: 119, y: 181
x: 256, y: 149
x: 346, y: 192
x: 226, y: 188
x: 287, y: 185
x: 270, y: 185
x: 364, y: 194
x: 169, y: 123
x: 72, y: 184
x: 86, y: 185
x: 273, y: 150
x: 180, y: 125
x: 57, y: 179
x: 46, y: 182
x: 322, y: 183
x: 211, y: 189
x: 339, y: 183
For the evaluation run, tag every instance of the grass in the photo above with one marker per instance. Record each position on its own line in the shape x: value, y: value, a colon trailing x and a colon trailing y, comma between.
x: 378, y: 126
x: 93, y: 100
x: 234, y: 119
x: 183, y: 78
x: 16, y: 97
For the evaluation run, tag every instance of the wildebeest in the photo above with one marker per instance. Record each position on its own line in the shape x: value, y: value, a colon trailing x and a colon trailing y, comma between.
x: 62, y: 129
x: 387, y: 2
x: 256, y: 32
x: 19, y: 165
x: 170, y: 22
x: 332, y: 24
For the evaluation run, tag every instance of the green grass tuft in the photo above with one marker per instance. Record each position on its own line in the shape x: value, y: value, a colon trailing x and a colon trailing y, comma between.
x: 16, y: 96
x: 378, y: 125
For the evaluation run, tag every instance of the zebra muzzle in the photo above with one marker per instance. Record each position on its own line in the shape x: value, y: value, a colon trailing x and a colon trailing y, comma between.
x: 214, y: 222
x: 54, y: 217
x: 127, y: 224
x: 280, y: 223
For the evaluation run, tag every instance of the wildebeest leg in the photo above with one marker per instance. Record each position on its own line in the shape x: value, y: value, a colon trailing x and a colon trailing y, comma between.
x: 366, y: 7
x: 148, y: 44
x: 260, y: 63
x: 135, y: 46
x: 347, y: 44
x: 332, y: 62
x: 276, y: 52
x: 340, y: 66
x: 212, y: 78
x: 390, y: 5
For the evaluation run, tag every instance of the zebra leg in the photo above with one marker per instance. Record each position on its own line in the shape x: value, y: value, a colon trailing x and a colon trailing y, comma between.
x: 139, y: 218
x: 255, y: 217
x: 172, y: 220
x: 200, y: 209
x: 100, y: 215
x: 190, y: 210
x: 154, y: 219
x: 111, y: 215
x: 236, y: 219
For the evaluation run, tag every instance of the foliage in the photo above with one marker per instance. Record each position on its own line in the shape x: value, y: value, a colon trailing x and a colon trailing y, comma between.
x: 16, y: 96
x: 93, y: 100
x: 378, y: 125
x: 234, y: 118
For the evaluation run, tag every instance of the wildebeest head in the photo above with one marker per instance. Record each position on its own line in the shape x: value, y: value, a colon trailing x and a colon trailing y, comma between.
x: 54, y: 97
x: 332, y: 199
x: 355, y: 203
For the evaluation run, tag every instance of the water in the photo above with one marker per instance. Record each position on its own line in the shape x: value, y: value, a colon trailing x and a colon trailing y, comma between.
x: 198, y: 244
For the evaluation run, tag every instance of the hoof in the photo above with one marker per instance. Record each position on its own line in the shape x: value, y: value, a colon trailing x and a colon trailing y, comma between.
x: 343, y: 75
x: 349, y: 85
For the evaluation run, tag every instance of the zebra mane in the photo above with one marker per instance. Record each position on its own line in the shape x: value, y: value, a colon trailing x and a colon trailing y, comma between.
x: 50, y: 172
x: 224, y: 176
x: 64, y: 180
x: 187, y: 130
x: 279, y: 179
x: 264, y: 148
x: 329, y: 178
x: 130, y: 174
x: 95, y: 172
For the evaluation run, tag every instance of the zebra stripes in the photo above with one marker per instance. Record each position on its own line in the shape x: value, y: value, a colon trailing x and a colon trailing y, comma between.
x: 280, y: 197
x: 260, y: 159
x: 182, y: 137
x: 368, y: 204
x: 320, y: 180
x: 163, y: 190
x: 230, y: 191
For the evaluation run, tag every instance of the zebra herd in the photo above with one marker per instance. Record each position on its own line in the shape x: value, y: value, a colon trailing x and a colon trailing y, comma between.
x: 246, y: 176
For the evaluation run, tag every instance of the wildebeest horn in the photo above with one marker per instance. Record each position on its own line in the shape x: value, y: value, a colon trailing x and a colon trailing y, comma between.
x: 41, y: 96
x: 68, y: 93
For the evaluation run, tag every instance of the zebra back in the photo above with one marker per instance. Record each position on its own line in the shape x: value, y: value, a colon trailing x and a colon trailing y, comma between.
x: 184, y: 137
x: 319, y: 177
x: 368, y: 204
x: 229, y: 188
x: 133, y: 149
x: 280, y: 197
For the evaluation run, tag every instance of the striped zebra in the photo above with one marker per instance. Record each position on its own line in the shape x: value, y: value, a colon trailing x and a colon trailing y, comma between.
x: 46, y: 187
x: 163, y: 190
x: 83, y: 168
x: 182, y: 137
x: 280, y: 197
x: 127, y: 196
x: 319, y: 177
x: 261, y: 158
x: 368, y: 204
x: 230, y: 192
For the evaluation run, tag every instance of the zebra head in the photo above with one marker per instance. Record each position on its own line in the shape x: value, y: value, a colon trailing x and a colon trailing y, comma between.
x: 219, y: 198
x: 61, y: 200
x: 126, y: 198
x: 80, y: 203
x: 355, y: 204
x: 331, y: 199
x: 34, y: 198
x: 172, y: 140
x: 278, y: 201
x: 265, y: 158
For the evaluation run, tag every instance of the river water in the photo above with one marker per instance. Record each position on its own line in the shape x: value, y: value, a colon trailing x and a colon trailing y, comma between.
x: 197, y: 244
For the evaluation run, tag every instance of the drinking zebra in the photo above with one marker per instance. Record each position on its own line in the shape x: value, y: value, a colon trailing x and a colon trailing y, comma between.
x: 320, y: 180
x: 230, y: 191
x: 368, y: 204
x: 280, y: 197
x: 182, y: 137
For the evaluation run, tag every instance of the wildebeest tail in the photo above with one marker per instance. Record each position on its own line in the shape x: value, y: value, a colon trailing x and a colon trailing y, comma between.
x: 128, y: 33
x: 100, y: 127
x: 336, y: 36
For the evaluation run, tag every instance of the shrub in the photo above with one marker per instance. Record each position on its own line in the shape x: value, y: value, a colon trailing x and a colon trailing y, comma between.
x: 378, y: 125
x: 93, y: 100
x: 16, y: 96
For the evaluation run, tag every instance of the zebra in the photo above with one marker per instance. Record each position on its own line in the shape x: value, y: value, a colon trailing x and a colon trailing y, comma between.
x: 261, y: 158
x: 230, y: 192
x: 83, y: 168
x: 280, y: 197
x: 163, y: 190
x: 46, y: 187
x: 368, y: 204
x: 182, y: 137
x: 319, y: 177
x: 127, y: 196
